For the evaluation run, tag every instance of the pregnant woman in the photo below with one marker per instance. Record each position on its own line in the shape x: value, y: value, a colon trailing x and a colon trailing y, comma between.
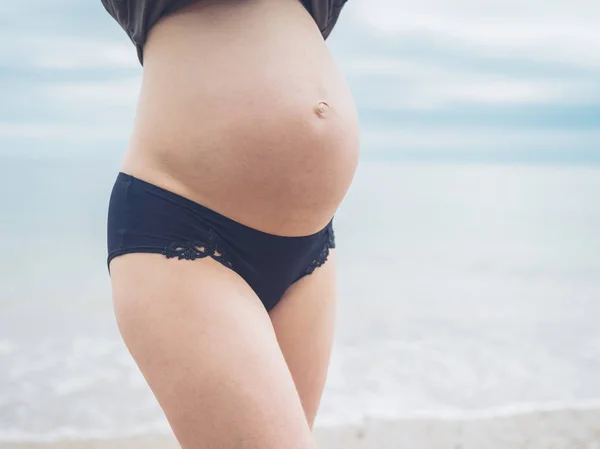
x: 220, y: 224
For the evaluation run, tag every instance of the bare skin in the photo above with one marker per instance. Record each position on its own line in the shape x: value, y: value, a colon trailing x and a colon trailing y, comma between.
x: 242, y: 110
x: 304, y: 323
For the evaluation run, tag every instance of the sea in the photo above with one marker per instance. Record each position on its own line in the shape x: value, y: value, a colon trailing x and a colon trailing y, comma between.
x: 465, y: 290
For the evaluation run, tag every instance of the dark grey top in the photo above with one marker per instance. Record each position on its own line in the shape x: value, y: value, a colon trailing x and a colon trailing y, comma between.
x: 136, y: 17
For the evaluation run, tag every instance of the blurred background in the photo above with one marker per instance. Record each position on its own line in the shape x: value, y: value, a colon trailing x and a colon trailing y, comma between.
x: 468, y: 246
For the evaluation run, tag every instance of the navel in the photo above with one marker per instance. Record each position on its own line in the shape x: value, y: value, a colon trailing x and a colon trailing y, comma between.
x: 321, y: 109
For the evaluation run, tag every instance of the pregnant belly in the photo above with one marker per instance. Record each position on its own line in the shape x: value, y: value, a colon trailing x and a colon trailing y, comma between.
x: 243, y: 110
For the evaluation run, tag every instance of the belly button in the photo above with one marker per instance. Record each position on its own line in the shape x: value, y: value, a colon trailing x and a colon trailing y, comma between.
x: 321, y: 109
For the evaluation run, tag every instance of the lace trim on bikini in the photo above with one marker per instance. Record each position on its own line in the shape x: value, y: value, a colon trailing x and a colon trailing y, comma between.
x: 324, y: 254
x: 198, y: 249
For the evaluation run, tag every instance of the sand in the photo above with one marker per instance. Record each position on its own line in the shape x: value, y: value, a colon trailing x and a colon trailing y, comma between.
x: 565, y: 429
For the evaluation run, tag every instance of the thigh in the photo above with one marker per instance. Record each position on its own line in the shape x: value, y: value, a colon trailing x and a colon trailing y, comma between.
x: 304, y: 323
x: 207, y: 349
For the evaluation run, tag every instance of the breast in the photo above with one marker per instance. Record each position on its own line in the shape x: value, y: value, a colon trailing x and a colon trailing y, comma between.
x: 243, y: 109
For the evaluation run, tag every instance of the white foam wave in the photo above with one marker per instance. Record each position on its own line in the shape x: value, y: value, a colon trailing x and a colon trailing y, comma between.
x: 470, y: 415
x: 161, y: 427
x: 72, y: 433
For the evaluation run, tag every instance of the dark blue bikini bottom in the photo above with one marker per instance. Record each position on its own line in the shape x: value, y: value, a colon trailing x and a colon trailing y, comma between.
x: 145, y: 218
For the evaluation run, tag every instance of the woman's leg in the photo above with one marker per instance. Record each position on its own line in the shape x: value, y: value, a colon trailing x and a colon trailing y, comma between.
x: 304, y: 323
x: 206, y: 346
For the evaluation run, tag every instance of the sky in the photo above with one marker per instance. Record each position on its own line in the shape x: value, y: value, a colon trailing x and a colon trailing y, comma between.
x: 507, y: 81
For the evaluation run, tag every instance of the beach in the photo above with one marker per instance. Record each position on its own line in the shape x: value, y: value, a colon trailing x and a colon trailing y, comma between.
x: 468, y: 308
x: 564, y: 429
x: 467, y: 246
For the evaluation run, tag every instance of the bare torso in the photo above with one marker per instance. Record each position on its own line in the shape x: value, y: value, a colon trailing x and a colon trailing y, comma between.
x: 243, y: 110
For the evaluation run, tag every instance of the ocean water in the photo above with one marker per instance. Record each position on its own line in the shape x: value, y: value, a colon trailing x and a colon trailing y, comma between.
x: 465, y: 290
